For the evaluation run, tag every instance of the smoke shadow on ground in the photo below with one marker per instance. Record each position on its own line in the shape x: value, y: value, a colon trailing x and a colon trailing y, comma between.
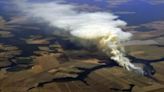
x: 81, y: 76
x: 148, y: 68
x: 159, y: 45
x: 131, y: 86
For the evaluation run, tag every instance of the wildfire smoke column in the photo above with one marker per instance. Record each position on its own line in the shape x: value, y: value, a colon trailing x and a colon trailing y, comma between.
x: 112, y: 46
x: 102, y: 27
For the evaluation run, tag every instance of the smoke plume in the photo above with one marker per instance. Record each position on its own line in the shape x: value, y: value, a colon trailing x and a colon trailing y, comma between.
x: 102, y: 27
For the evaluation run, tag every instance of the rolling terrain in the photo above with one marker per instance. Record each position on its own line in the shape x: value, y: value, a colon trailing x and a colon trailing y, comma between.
x: 35, y: 57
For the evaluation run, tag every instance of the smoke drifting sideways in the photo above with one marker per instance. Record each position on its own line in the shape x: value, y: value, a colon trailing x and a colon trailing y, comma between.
x: 101, y: 27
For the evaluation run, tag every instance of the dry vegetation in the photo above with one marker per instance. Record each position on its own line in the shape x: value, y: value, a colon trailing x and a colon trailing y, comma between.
x: 49, y: 74
x: 54, y: 69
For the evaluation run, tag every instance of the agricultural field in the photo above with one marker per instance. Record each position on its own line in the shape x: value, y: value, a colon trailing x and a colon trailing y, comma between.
x: 67, y: 49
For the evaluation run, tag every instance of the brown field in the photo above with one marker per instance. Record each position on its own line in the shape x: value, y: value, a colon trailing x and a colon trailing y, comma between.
x: 49, y: 74
x: 52, y: 68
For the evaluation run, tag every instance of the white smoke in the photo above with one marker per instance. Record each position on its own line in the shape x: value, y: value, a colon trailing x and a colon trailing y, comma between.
x: 102, y: 27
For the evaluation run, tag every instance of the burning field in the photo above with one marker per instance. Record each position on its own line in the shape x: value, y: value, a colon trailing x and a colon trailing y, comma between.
x: 101, y: 28
x: 63, y: 49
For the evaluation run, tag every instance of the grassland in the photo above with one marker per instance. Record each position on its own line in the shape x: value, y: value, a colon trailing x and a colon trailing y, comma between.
x: 64, y: 67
